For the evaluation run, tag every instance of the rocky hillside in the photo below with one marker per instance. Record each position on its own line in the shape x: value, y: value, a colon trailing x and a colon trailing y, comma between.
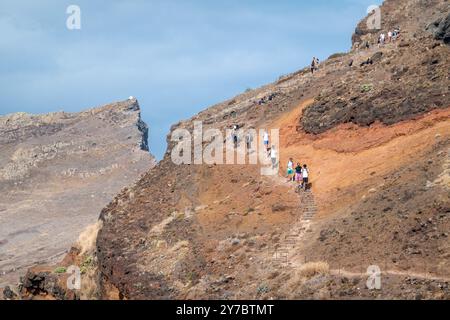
x: 56, y: 173
x: 377, y: 140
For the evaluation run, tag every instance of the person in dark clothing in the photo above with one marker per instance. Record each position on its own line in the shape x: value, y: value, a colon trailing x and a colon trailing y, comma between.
x: 367, y: 62
x: 298, y: 173
x: 313, y: 65
x: 305, y: 176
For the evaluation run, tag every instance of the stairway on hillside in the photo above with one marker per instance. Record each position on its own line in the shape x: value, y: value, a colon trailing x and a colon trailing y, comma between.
x: 285, y: 250
x: 308, y: 205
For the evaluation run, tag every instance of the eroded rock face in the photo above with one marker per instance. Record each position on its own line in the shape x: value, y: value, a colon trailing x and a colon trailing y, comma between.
x: 442, y: 31
x: 405, y: 78
x: 56, y: 173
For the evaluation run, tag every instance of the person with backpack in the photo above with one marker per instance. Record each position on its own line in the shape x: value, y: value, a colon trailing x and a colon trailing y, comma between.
x: 313, y: 65
x: 298, y: 173
x: 305, y: 175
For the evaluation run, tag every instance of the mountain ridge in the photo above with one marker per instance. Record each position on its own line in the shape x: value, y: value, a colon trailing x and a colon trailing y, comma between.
x: 57, y: 167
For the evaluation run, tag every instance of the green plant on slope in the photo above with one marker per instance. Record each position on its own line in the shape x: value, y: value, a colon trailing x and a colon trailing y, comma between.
x: 366, y: 88
x: 60, y: 270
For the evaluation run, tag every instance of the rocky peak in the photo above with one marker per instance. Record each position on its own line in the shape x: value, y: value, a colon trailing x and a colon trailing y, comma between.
x: 57, y: 171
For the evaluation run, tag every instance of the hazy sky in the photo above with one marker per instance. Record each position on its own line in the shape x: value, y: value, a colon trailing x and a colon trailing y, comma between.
x: 176, y: 56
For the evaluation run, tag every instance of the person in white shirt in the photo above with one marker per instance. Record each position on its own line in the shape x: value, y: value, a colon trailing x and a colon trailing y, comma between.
x: 305, y: 175
x: 266, y: 142
x: 266, y: 138
x: 389, y: 36
x: 273, y: 156
x: 382, y: 39
x: 290, y: 168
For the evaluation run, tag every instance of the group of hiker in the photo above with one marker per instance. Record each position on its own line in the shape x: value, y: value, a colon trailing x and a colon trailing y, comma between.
x: 391, y: 36
x: 271, y: 151
x: 315, y: 64
x: 384, y: 38
x: 299, y: 174
x: 267, y: 99
x: 367, y: 62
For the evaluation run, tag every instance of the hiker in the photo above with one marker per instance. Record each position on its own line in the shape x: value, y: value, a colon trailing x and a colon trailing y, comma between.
x: 396, y: 34
x: 381, y: 40
x: 273, y: 157
x: 266, y: 139
x: 249, y: 140
x: 317, y: 63
x: 234, y: 136
x: 313, y: 65
x: 369, y: 61
x: 367, y: 45
x: 298, y: 173
x: 350, y: 64
x: 305, y: 175
x: 390, y: 36
x: 290, y: 168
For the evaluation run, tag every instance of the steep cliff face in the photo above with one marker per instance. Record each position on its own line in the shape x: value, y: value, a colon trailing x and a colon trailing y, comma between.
x: 56, y: 173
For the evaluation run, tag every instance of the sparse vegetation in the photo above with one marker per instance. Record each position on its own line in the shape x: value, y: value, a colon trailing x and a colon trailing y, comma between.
x: 262, y: 289
x: 250, y: 210
x: 87, y: 264
x: 60, y: 270
x: 366, y: 88
x: 312, y: 269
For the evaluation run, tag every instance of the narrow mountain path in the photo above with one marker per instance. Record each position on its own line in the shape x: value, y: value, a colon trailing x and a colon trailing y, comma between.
x: 286, y: 252
x: 414, y: 275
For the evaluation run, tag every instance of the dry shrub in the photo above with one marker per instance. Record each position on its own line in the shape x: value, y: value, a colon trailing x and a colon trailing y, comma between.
x: 87, y: 239
x: 311, y: 269
x: 86, y: 244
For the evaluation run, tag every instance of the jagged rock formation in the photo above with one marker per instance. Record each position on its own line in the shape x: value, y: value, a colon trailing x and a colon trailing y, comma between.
x: 56, y: 173
x: 376, y: 139
x: 441, y: 29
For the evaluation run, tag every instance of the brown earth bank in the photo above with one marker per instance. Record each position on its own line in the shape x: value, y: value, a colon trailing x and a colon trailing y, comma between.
x: 377, y: 141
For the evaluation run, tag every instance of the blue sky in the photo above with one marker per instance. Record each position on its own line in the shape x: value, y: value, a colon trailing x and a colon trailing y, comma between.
x: 176, y: 56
